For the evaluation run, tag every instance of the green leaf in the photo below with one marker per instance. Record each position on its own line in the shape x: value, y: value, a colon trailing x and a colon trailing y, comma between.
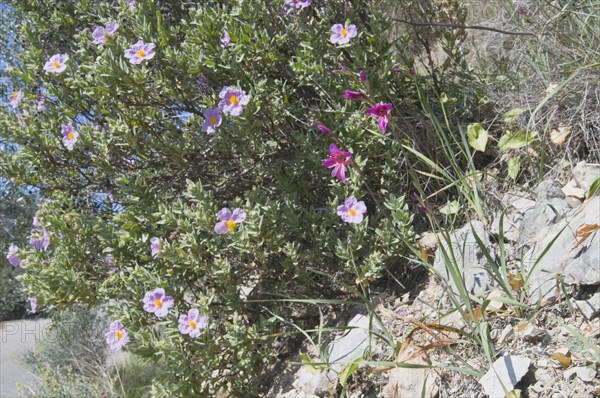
x: 516, y: 140
x: 451, y: 208
x: 347, y: 372
x: 305, y: 359
x: 594, y: 188
x: 478, y: 136
x: 514, y: 166
x: 513, y: 114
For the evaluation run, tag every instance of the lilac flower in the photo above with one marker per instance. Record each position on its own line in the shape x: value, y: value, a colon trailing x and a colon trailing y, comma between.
x: 139, y: 52
x: 396, y: 69
x: 342, y: 35
x: 154, y: 247
x: 70, y: 135
x: 57, y: 64
x: 33, y: 304
x: 322, y: 128
x: 212, y: 120
x: 117, y: 336
x: 411, y: 71
x: 15, y: 98
x: 382, y: 112
x: 228, y: 220
x: 338, y: 161
x: 109, y: 260
x: 232, y: 100
x: 352, y: 211
x: 295, y: 5
x: 41, y: 104
x: 35, y: 222
x: 225, y: 40
x: 102, y: 33
x: 12, y: 255
x: 192, y: 323
x: 362, y: 75
x: 40, y: 239
x: 157, y: 303
x: 21, y: 117
x: 349, y: 94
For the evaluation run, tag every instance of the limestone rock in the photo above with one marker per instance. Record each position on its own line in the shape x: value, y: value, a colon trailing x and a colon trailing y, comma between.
x: 590, y: 307
x: 408, y: 383
x: 469, y: 257
x: 504, y: 375
x: 584, y: 174
x: 575, y: 266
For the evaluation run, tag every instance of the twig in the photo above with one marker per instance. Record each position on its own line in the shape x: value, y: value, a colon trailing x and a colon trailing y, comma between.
x: 460, y: 26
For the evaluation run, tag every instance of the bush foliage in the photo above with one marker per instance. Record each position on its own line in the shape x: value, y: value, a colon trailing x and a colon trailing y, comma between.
x: 142, y: 167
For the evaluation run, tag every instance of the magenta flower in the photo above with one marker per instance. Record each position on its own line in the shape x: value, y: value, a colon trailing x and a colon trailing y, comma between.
x: 57, y: 64
x: 33, y: 304
x: 338, y: 161
x: 362, y: 75
x: 102, y: 33
x: 117, y: 336
x: 192, y: 323
x: 212, y: 120
x: 154, y: 247
x: 232, y: 100
x: 157, y: 303
x: 225, y: 40
x: 322, y: 128
x: 343, y: 70
x: 15, y: 98
x: 139, y: 52
x: 352, y: 211
x: 342, y: 35
x: 70, y: 135
x: 349, y: 94
x: 382, y: 112
x: 295, y: 5
x: 12, y: 255
x: 228, y: 220
x: 40, y: 239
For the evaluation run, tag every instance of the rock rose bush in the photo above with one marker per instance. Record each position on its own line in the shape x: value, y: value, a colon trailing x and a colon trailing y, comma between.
x: 201, y: 166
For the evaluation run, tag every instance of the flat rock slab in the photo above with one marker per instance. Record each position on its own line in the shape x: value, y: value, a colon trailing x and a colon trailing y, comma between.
x: 465, y: 253
x: 16, y: 339
x: 504, y: 375
x: 580, y: 265
x: 342, y: 351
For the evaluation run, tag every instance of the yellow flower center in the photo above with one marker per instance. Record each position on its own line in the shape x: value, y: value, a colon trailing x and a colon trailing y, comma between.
x: 15, y: 95
x: 344, y: 32
x: 141, y: 53
x: 231, y: 224
x: 233, y: 99
x: 213, y: 120
x: 352, y: 212
x: 192, y: 324
x: 119, y: 334
x: 158, y: 303
x: 56, y: 64
x: 70, y: 135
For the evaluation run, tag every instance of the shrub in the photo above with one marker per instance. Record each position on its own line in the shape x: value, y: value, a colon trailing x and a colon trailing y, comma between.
x: 132, y: 185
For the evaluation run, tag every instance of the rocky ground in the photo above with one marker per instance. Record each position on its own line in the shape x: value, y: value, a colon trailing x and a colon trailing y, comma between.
x: 546, y: 348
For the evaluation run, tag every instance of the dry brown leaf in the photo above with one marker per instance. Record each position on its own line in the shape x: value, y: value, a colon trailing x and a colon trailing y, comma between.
x: 478, y: 314
x: 564, y: 360
x: 516, y: 281
x: 559, y: 136
x: 583, y: 232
